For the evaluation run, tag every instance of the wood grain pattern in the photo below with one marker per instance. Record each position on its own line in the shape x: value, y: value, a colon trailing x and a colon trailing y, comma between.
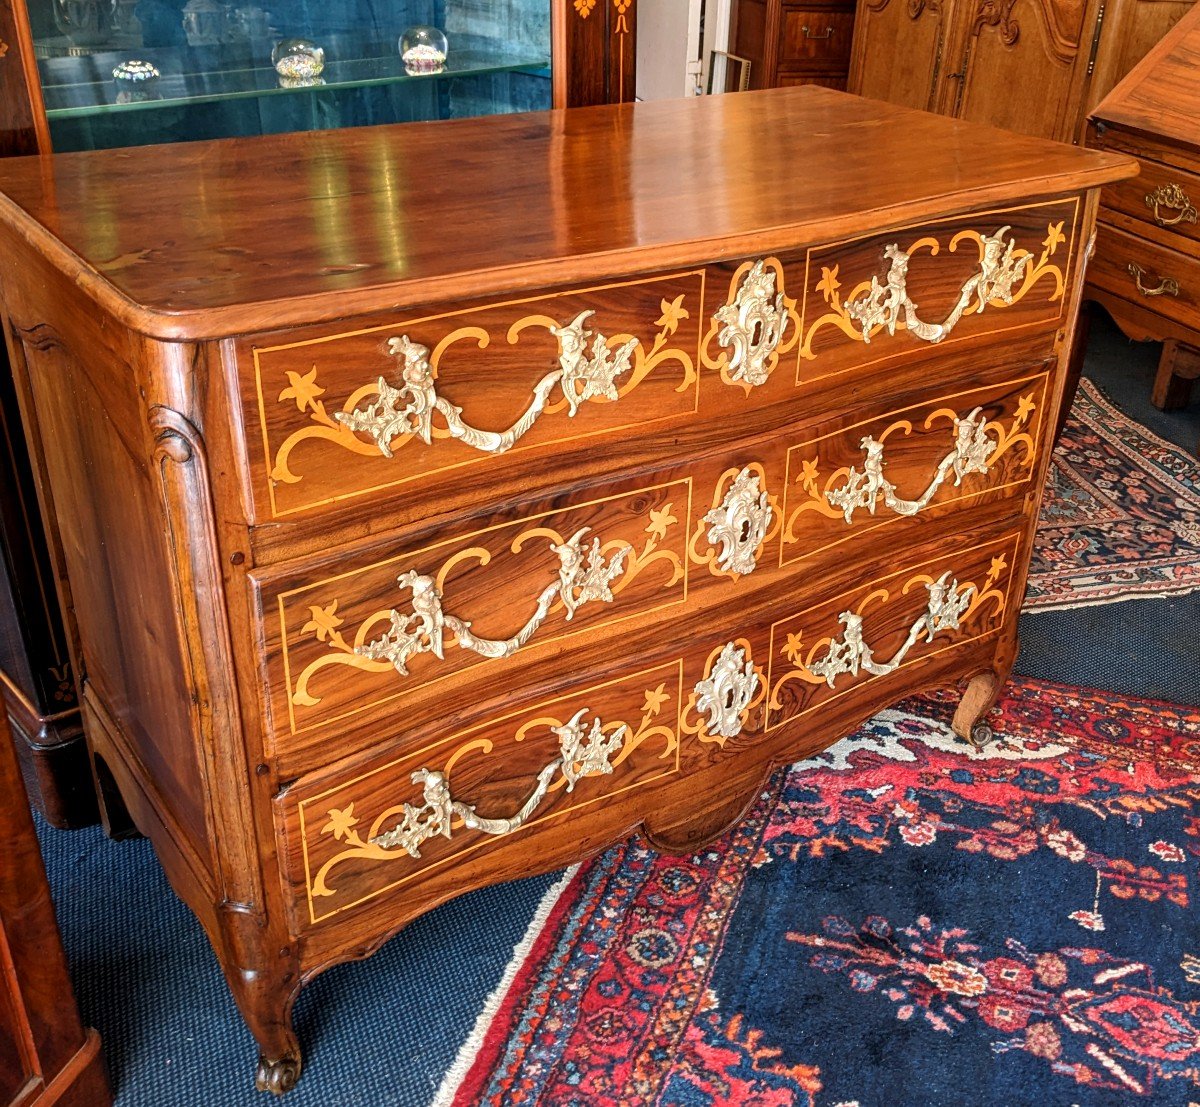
x: 225, y: 273
x: 1031, y: 66
x: 200, y: 612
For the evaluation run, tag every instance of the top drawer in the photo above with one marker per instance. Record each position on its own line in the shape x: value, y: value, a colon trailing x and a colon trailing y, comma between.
x: 1162, y: 197
x: 428, y: 408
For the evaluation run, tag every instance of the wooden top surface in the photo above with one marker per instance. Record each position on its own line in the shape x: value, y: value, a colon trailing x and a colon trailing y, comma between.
x: 205, y: 239
x: 1160, y: 96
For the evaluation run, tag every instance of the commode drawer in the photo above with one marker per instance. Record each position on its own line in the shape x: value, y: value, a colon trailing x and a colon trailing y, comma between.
x: 363, y: 644
x: 402, y: 419
x: 430, y: 398
x: 351, y: 837
x: 1162, y: 203
x: 714, y: 688
x: 1153, y: 277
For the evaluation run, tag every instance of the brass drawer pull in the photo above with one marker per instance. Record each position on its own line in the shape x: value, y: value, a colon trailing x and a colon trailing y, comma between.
x: 1001, y: 266
x: 409, y: 409
x: 583, y: 752
x: 1167, y: 286
x: 819, y: 38
x: 425, y: 626
x: 1173, y: 197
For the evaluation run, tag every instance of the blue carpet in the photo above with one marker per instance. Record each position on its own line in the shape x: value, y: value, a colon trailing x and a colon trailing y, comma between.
x: 382, y: 1033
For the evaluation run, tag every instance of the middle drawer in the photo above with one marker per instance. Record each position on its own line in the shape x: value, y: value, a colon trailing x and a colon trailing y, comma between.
x: 365, y: 644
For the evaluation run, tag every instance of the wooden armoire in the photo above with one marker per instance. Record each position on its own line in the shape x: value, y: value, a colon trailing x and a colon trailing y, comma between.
x: 1032, y: 66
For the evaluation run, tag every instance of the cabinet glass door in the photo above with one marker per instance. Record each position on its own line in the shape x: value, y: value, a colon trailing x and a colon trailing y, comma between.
x: 130, y: 72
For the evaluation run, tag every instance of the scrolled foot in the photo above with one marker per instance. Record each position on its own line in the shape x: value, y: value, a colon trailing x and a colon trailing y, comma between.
x: 981, y: 735
x: 277, y: 1077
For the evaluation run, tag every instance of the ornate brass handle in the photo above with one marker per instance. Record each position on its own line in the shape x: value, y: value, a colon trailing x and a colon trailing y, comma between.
x: 409, y: 409
x: 999, y: 270
x: 1171, y: 196
x: 946, y: 606
x: 1168, y: 286
x: 820, y: 38
x: 582, y: 752
x: 423, y: 628
x: 972, y: 450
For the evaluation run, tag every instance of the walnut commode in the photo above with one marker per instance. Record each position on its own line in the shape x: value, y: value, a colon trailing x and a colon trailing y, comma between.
x: 438, y: 529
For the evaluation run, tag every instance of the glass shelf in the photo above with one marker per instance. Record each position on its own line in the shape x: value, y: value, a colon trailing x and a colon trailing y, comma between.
x: 98, y: 96
x: 215, y: 77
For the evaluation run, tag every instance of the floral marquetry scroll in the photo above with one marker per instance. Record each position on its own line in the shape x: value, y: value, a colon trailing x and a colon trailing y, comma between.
x: 354, y: 412
x: 395, y: 625
x: 905, y: 616
x: 915, y: 461
x: 380, y: 830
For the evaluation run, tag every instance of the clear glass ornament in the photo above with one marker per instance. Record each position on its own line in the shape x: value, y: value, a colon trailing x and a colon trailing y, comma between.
x: 423, y: 49
x: 297, y: 59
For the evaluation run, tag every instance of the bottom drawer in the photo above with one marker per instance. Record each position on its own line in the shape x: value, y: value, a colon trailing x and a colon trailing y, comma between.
x: 1152, y: 276
x: 726, y: 692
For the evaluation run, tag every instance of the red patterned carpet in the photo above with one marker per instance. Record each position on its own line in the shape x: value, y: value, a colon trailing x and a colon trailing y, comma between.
x: 901, y: 921
x: 1121, y: 514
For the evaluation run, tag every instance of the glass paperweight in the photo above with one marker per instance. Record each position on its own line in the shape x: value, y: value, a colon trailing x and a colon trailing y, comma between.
x: 298, y: 59
x: 136, y: 81
x: 423, y: 50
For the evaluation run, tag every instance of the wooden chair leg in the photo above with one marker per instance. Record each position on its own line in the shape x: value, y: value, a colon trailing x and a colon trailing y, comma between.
x: 1178, y: 368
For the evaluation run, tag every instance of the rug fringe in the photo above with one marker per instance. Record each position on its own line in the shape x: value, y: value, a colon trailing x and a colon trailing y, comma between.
x: 468, y: 1051
x: 1099, y: 601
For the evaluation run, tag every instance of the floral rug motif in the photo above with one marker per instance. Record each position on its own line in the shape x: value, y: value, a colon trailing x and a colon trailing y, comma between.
x: 901, y: 921
x: 1121, y: 513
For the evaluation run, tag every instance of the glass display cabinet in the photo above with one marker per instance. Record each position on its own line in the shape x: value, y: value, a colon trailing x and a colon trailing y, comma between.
x: 103, y: 73
x: 83, y: 74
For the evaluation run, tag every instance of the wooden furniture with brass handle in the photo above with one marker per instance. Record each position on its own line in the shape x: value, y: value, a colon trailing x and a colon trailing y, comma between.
x: 561, y: 508
x: 1172, y: 197
x: 1148, y: 225
x: 1167, y: 286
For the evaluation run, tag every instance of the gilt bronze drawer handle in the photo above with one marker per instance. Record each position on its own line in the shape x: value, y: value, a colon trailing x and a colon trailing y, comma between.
x: 819, y: 38
x: 1168, y: 286
x: 408, y: 410
x: 1005, y: 275
x: 1173, y: 197
x: 423, y: 628
x: 582, y: 752
x: 1000, y: 267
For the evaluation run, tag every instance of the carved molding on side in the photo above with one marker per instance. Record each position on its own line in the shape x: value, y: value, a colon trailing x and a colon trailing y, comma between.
x: 204, y: 634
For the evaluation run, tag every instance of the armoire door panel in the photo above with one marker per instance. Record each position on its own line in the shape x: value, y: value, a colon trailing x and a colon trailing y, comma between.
x: 1022, y: 66
x: 904, y: 41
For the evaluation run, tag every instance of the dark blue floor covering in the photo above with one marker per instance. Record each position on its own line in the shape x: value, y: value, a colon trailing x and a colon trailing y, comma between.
x: 381, y: 1033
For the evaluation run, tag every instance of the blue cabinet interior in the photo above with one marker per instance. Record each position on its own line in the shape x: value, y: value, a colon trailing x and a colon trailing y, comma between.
x: 220, y: 82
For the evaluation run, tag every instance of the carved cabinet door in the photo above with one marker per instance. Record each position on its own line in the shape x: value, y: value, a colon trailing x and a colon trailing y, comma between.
x: 899, y: 49
x: 1021, y: 65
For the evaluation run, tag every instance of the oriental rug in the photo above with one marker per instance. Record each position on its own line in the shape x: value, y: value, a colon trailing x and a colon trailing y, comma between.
x: 901, y: 921
x: 1121, y: 514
